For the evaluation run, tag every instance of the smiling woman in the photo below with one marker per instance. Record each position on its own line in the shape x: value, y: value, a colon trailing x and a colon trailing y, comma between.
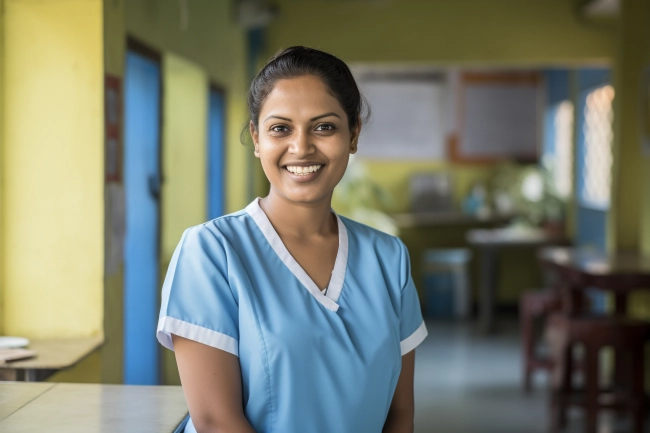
x: 285, y: 316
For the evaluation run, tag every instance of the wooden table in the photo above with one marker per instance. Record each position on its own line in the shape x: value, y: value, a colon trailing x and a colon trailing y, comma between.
x: 89, y: 408
x: 579, y: 269
x: 52, y: 355
x: 445, y: 218
x: 489, y: 242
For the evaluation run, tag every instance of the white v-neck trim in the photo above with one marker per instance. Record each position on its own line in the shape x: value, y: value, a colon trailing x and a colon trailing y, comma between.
x: 335, y: 286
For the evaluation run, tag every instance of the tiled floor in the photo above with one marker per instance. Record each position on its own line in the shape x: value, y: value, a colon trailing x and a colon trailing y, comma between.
x: 468, y: 383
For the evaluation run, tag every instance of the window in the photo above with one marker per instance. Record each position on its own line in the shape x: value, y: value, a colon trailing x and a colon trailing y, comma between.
x: 563, y: 136
x: 598, y: 137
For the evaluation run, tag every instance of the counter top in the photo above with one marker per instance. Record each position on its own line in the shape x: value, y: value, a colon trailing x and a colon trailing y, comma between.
x: 89, y: 408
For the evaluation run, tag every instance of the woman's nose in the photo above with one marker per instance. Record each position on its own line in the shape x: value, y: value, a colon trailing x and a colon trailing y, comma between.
x: 301, y: 145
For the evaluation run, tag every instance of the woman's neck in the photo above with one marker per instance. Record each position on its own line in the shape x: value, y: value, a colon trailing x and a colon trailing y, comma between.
x: 301, y: 220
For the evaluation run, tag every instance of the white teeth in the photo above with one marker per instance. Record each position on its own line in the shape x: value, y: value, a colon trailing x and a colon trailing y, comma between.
x: 302, y: 171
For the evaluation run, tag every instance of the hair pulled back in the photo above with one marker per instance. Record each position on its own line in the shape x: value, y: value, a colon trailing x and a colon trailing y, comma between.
x: 298, y: 61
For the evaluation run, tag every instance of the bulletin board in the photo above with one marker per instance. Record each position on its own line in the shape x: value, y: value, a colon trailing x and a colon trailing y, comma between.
x: 407, y: 119
x: 500, y: 117
x: 114, y: 201
x: 113, y: 129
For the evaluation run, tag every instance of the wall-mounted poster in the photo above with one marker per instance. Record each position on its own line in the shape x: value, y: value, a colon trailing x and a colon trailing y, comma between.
x: 408, y: 117
x: 113, y: 128
x: 499, y: 116
x: 114, y: 188
x: 645, y: 111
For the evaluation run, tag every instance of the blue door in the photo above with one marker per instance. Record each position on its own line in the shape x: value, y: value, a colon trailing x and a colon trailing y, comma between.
x: 216, y: 154
x: 142, y: 186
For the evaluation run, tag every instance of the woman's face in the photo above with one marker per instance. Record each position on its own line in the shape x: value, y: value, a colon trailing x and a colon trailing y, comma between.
x: 303, y: 140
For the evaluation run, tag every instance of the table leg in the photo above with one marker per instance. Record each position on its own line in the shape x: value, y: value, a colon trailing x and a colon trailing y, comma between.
x: 487, y: 286
x: 620, y: 304
x: 29, y: 375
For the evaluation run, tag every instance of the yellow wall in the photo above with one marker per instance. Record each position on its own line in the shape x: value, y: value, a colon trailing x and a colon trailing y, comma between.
x: 394, y: 177
x: 2, y: 177
x: 639, y: 11
x: 185, y: 91
x: 112, y: 351
x: 630, y: 226
x: 633, y: 56
x: 53, y: 168
x: 443, y: 31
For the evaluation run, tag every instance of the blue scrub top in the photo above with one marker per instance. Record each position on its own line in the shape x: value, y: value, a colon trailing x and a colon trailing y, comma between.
x: 310, y: 362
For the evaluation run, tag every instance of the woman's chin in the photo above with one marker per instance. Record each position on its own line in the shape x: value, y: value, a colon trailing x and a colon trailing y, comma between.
x: 305, y: 195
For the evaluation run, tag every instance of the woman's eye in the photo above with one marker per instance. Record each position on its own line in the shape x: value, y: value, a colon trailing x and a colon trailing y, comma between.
x: 279, y: 128
x: 325, y: 127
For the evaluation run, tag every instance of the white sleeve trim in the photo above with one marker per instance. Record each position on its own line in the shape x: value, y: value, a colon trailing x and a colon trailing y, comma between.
x: 169, y: 325
x: 413, y: 340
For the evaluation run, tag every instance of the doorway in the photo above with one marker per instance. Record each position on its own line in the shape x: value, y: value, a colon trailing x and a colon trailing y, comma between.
x: 142, y: 107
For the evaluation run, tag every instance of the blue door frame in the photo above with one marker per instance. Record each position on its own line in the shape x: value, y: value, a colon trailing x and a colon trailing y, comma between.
x: 141, y: 248
x: 216, y: 154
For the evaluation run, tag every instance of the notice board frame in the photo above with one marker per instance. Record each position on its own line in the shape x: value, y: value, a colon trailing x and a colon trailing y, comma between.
x: 455, y: 149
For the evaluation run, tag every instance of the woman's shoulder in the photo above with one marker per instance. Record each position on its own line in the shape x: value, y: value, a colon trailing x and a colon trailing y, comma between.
x: 368, y: 236
x: 220, y: 229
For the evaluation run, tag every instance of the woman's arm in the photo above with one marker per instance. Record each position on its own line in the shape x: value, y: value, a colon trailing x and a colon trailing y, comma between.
x: 402, y: 408
x: 211, y: 381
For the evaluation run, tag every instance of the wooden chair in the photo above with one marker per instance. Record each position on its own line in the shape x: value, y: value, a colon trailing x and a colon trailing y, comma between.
x: 533, y: 306
x: 627, y: 338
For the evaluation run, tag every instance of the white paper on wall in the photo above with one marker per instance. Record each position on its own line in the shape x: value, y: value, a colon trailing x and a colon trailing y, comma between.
x: 407, y: 122
x: 500, y: 120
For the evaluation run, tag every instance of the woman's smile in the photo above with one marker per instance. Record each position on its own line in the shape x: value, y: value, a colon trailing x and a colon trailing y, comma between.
x: 304, y: 172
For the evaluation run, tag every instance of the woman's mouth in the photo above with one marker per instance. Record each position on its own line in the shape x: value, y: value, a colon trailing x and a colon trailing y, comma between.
x: 303, y: 170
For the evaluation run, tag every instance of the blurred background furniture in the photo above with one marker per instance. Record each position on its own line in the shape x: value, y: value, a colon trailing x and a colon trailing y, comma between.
x: 431, y: 192
x: 619, y: 274
x: 446, y: 283
x: 581, y: 269
x: 534, y: 307
x: 627, y: 338
x: 91, y: 408
x: 490, y: 243
x: 52, y: 355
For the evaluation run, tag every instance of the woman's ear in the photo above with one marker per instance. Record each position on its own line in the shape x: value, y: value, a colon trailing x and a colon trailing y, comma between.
x: 255, y: 136
x: 354, y: 136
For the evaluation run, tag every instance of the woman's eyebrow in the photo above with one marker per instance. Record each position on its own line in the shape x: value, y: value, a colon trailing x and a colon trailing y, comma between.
x: 325, y: 115
x: 273, y: 116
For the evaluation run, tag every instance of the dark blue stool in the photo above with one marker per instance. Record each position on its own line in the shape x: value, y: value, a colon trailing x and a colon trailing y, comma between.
x: 446, y: 283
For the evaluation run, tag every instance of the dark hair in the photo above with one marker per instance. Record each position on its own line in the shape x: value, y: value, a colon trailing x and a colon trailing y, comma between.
x: 298, y: 61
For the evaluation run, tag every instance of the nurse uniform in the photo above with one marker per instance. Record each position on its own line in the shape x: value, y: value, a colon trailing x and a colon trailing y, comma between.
x: 310, y: 362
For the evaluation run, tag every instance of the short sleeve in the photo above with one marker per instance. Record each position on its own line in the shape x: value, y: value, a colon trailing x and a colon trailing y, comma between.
x: 197, y: 302
x: 412, y: 328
